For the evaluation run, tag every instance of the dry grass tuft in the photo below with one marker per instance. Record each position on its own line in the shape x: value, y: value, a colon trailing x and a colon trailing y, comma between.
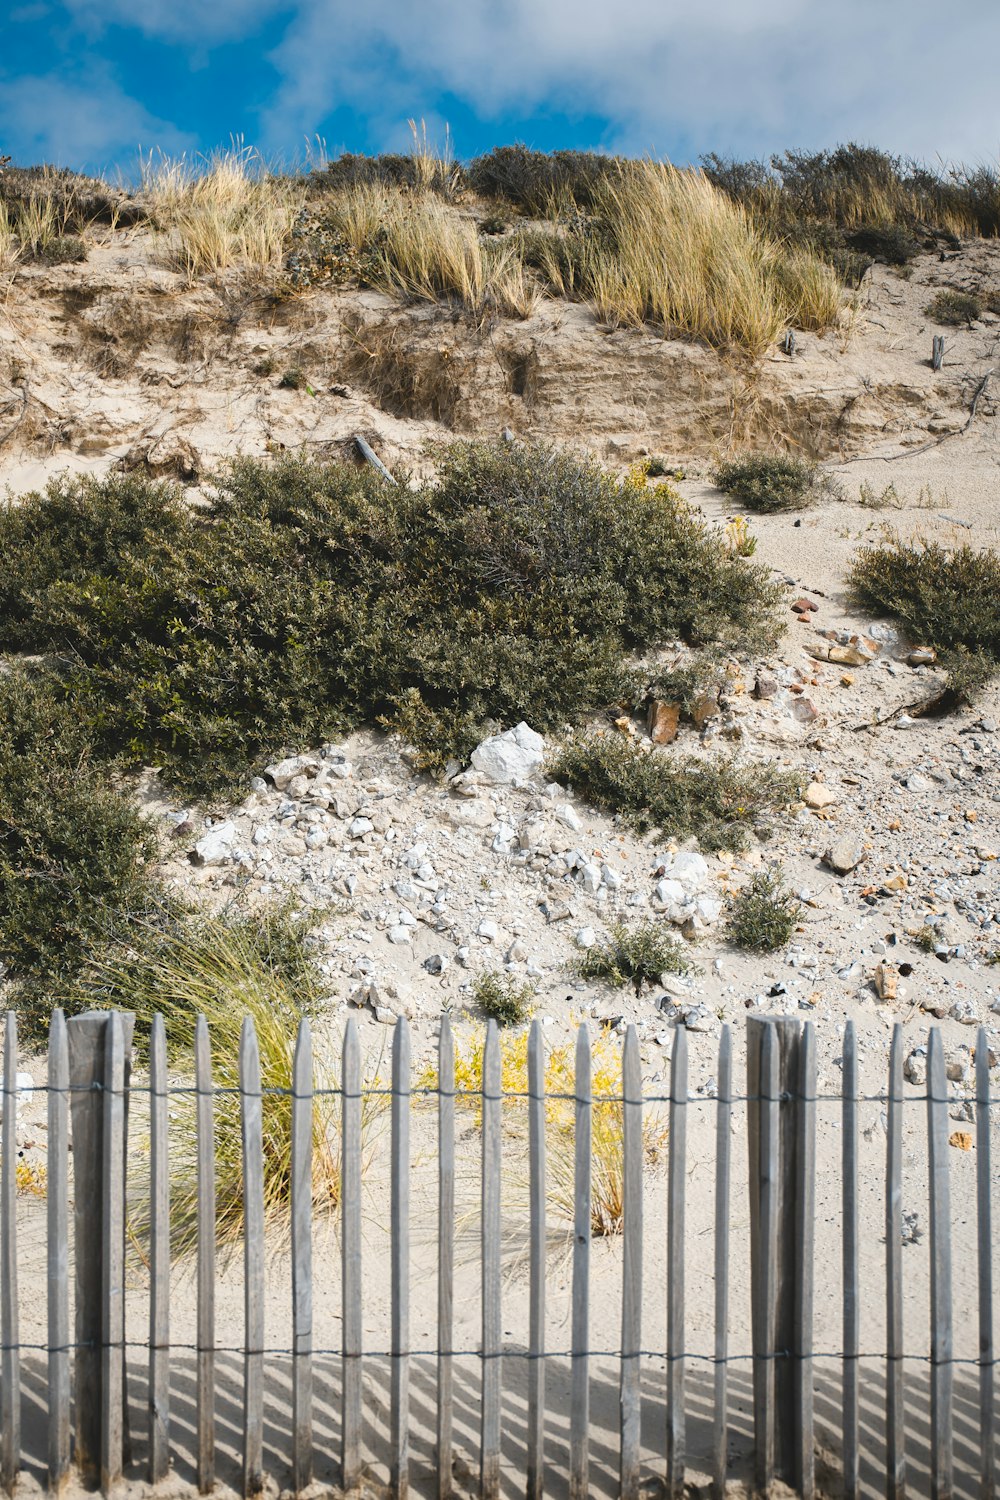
x: 226, y: 210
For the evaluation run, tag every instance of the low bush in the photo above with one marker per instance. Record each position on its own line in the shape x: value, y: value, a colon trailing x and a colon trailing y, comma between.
x: 716, y: 801
x: 893, y: 244
x: 766, y: 482
x: 945, y: 598
x: 312, y: 597
x: 636, y: 954
x: 502, y: 998
x: 763, y: 914
x: 540, y: 183
x: 953, y: 308
x: 75, y: 855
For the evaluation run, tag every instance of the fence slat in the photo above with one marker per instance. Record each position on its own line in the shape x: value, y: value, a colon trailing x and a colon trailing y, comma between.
x: 251, y: 1118
x: 489, y: 1458
x: 113, y: 1265
x: 984, y: 1226
x: 159, y: 1257
x: 631, y: 1400
x: 764, y: 1293
x: 723, y: 1154
x: 399, y: 1391
x: 446, y: 1255
x: 350, y: 1242
x: 895, y: 1438
x: 57, y: 1211
x: 805, y: 1217
x: 942, y: 1371
x: 536, y: 1287
x: 579, y: 1415
x: 677, y: 1154
x: 205, y: 1135
x: 852, y: 1307
x: 10, y: 1364
x: 302, y: 1270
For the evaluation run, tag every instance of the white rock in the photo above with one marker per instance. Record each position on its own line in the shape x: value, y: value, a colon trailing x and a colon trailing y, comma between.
x: 586, y: 937
x: 611, y: 878
x: 504, y: 839
x: 217, y: 844
x: 488, y: 930
x: 591, y: 877
x: 670, y: 892
x: 283, y: 772
x: 406, y: 919
x: 689, y: 868
x: 359, y: 827
x: 317, y: 838
x: 569, y: 816
x: 385, y: 1015
x: 400, y: 934
x: 708, y: 910
x: 512, y: 756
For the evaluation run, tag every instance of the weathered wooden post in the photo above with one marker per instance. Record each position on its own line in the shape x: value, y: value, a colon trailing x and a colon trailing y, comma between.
x: 937, y: 352
x: 100, y: 1066
x: 781, y: 1090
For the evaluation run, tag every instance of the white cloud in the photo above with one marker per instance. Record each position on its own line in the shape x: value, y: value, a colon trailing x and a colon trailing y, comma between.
x: 188, y: 21
x: 49, y: 119
x: 746, y: 76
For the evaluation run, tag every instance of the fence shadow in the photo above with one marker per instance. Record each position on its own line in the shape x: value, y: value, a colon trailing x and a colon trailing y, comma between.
x: 604, y: 1423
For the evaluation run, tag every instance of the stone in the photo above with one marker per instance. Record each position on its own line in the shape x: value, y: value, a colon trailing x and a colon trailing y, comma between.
x: 216, y: 846
x: 804, y: 607
x: 886, y: 982
x: 767, y: 685
x: 964, y: 1012
x: 514, y: 755
x: 590, y: 878
x: 504, y: 839
x: 663, y: 722
x: 961, y: 1140
x: 569, y: 816
x: 400, y: 934
x: 705, y: 707
x: 844, y: 856
x: 437, y: 963
x: 586, y: 937
x: 918, y: 782
x: 488, y: 930
x: 915, y: 1067
x: 284, y: 772
x: 818, y: 795
x: 670, y: 892
x: 689, y: 868
x: 359, y: 827
x: 923, y: 656
x: 804, y: 710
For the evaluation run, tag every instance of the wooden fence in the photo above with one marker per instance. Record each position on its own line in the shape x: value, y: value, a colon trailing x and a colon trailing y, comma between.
x: 89, y: 1086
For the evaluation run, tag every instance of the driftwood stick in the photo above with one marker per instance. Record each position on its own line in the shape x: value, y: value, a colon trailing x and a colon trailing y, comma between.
x: 5, y: 436
x: 370, y: 456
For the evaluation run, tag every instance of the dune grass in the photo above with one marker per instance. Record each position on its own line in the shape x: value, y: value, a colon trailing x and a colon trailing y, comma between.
x: 223, y: 210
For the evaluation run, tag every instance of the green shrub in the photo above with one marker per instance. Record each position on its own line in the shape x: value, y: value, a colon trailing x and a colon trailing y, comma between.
x: 636, y: 954
x: 763, y: 914
x: 312, y: 597
x: 75, y: 854
x: 893, y: 244
x: 943, y: 598
x: 502, y: 998
x: 716, y: 801
x: 293, y: 380
x: 537, y: 182
x: 766, y: 482
x: 954, y: 308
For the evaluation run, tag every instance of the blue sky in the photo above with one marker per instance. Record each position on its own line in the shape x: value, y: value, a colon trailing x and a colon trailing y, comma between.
x: 86, y: 83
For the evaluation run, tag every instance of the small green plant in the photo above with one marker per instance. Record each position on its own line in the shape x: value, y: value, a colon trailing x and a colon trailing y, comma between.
x: 943, y: 598
x: 266, y: 366
x: 717, y: 801
x: 634, y: 953
x: 293, y: 379
x: 763, y: 914
x: 502, y: 998
x: 888, y: 498
x: 926, y: 939
x: 766, y: 483
x: 953, y: 308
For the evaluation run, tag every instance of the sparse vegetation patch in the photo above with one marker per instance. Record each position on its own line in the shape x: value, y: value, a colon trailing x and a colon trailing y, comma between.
x: 764, y: 914
x: 768, y: 482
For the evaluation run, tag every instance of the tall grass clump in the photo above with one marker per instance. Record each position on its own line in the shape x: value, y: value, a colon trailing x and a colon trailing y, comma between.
x: 227, y: 970
x: 224, y: 210
x: 607, y: 1164
x: 312, y: 597
x: 943, y: 597
x: 673, y: 250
